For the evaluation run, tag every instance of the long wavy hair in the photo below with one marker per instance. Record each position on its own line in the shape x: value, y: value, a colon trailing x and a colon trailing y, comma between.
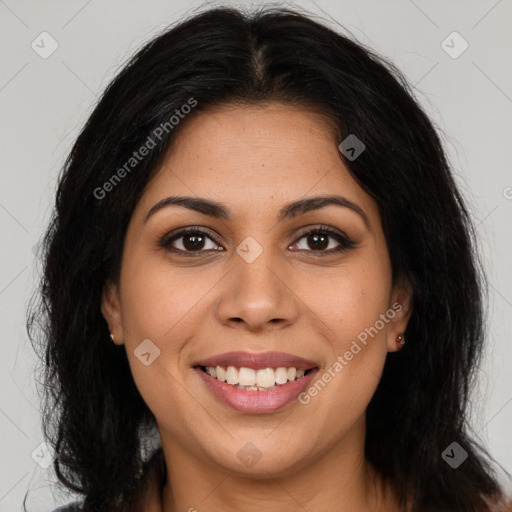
x: 93, y: 414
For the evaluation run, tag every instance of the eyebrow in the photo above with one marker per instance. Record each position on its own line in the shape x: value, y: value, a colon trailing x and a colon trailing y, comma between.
x: 288, y: 211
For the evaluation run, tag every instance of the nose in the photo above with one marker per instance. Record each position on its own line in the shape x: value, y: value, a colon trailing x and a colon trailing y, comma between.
x: 257, y: 296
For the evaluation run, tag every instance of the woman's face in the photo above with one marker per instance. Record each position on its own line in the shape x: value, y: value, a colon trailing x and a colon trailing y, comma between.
x: 272, y: 278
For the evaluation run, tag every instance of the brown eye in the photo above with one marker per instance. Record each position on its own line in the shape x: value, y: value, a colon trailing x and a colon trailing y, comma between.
x: 323, y: 241
x: 193, y: 242
x: 190, y: 240
x: 317, y: 241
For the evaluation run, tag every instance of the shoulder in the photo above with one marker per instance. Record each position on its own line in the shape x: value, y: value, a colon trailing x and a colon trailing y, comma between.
x: 71, y: 507
x: 506, y: 506
x: 503, y: 504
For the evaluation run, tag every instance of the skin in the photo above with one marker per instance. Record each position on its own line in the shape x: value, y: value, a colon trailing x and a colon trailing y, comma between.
x: 254, y: 160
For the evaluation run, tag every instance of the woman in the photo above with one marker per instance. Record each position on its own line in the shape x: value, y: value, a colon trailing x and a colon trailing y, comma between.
x: 259, y: 249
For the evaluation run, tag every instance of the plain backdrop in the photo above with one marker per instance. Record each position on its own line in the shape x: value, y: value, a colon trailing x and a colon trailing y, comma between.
x: 45, y: 101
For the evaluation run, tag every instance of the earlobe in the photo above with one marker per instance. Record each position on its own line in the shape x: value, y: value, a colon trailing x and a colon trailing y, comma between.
x: 401, y: 303
x: 111, y: 311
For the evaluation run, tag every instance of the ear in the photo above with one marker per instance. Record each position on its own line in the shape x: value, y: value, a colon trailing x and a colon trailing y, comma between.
x: 111, y: 311
x: 401, y: 303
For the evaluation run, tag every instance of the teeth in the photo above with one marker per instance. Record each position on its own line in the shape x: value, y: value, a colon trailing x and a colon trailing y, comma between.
x: 246, y: 377
x: 221, y: 373
x: 265, y: 377
x: 231, y: 375
x: 249, y: 379
x: 281, y: 375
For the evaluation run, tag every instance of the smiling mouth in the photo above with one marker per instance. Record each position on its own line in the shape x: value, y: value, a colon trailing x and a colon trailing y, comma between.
x: 251, y: 379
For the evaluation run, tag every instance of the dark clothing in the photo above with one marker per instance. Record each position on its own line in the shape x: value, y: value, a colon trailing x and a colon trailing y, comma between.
x: 71, y: 507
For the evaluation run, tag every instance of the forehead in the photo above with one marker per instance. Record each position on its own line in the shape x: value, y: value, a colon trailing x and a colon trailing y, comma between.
x: 258, y: 132
x: 254, y: 155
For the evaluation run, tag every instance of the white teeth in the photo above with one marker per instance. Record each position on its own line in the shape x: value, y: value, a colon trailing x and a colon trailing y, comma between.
x: 221, y: 373
x: 231, y: 375
x: 250, y: 379
x: 246, y: 377
x: 281, y: 375
x: 265, y: 377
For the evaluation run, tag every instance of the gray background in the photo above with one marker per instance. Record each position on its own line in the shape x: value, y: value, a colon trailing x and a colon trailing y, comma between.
x: 44, y: 102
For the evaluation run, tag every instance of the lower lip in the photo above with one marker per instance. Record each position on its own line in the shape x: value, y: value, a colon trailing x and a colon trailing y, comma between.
x: 257, y: 402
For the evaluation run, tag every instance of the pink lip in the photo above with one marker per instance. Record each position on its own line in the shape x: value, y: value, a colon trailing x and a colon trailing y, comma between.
x: 257, y: 360
x: 257, y: 402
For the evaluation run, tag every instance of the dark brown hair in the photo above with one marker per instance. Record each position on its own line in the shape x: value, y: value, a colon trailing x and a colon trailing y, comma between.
x: 94, y: 415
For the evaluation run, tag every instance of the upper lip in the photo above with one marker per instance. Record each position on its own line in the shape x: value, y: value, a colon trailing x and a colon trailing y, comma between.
x: 257, y: 360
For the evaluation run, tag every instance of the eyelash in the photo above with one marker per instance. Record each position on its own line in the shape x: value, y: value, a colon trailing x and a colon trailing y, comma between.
x: 344, y: 242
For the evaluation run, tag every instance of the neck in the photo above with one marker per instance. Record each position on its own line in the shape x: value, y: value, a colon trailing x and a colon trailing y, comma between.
x: 339, y: 479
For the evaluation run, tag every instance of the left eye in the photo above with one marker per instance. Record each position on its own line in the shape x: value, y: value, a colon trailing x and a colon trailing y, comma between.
x: 322, y: 241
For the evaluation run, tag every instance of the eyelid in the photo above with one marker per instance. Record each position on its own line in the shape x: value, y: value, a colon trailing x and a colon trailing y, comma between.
x: 315, y: 228
x: 344, y: 241
x: 174, y: 235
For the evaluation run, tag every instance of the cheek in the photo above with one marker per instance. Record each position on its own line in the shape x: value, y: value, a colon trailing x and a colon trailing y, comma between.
x: 165, y: 307
x: 159, y: 307
x: 351, y: 301
x: 158, y: 302
x: 347, y: 299
x: 175, y: 407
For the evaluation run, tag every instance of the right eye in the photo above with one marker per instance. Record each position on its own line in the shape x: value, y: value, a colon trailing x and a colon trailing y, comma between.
x: 190, y: 240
